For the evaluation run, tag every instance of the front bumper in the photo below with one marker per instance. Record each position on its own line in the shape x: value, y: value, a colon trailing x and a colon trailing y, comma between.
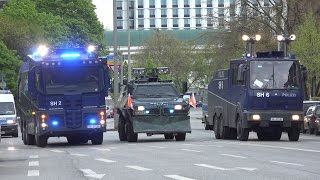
x: 9, y: 129
x: 161, y: 124
x: 272, y: 118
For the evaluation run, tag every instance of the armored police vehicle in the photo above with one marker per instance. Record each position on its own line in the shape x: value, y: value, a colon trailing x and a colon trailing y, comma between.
x: 62, y: 93
x: 152, y: 106
x: 8, y: 114
x: 262, y: 94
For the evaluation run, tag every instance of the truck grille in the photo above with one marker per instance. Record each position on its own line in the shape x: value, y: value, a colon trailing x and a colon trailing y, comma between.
x: 73, y: 119
x: 73, y: 102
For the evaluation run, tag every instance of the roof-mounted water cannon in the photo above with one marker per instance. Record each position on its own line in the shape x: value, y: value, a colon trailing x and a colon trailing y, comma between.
x: 285, y: 42
x: 250, y: 43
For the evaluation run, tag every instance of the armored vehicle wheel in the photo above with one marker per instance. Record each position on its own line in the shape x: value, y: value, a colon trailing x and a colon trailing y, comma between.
x: 24, y: 136
x: 168, y: 136
x: 131, y: 136
x: 180, y: 137
x: 41, y: 141
x: 97, y: 138
x: 73, y: 140
x: 122, y: 130
x: 294, y: 133
x: 28, y: 138
x: 242, y: 133
x: 216, y: 128
x: 224, y: 131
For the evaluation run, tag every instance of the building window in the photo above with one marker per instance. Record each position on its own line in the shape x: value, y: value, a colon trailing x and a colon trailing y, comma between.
x: 175, y: 12
x: 163, y: 3
x: 198, y: 12
x: 131, y: 4
x: 221, y: 12
x: 232, y: 8
x: 131, y: 14
x: 119, y: 15
x: 140, y: 13
x: 119, y: 4
x: 152, y: 13
x: 198, y: 22
x: 186, y: 22
x: 163, y: 12
x: 198, y: 3
x: 174, y: 3
x: 152, y: 22
x: 140, y: 23
x: 186, y: 3
x: 175, y: 22
x: 221, y: 3
x: 187, y: 12
x: 209, y: 3
x: 131, y: 22
x: 210, y: 12
x: 164, y: 22
x: 119, y: 25
x: 152, y: 4
x: 140, y: 3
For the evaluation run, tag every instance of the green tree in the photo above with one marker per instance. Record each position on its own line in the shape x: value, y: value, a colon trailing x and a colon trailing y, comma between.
x: 307, y: 47
x: 9, y: 65
x: 80, y: 18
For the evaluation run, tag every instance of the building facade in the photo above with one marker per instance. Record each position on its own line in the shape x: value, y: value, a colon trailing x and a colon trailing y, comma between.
x: 174, y: 14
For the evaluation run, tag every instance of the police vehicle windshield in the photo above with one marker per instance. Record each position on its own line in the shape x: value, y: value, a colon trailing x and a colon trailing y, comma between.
x: 7, y: 108
x: 67, y: 80
x: 157, y: 90
x: 274, y: 75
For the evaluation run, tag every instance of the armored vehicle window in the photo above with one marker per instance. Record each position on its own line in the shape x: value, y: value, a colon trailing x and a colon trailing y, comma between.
x: 157, y: 90
x: 274, y: 75
x: 79, y: 79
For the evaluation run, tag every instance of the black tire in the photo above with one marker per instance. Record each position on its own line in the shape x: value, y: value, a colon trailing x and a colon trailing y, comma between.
x: 242, y: 133
x: 24, y: 136
x: 224, y: 131
x: 216, y: 128
x: 73, y: 140
x: 41, y: 140
x: 122, y: 130
x: 294, y: 133
x: 97, y: 138
x: 29, y: 139
x: 131, y: 136
x: 168, y: 136
x: 180, y: 137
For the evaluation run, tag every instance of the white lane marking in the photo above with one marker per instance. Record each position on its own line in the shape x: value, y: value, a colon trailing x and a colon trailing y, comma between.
x: 105, y: 160
x: 216, y: 146
x: 294, y: 164
x: 33, y: 173
x: 33, y: 163
x: 131, y: 144
x: 139, y: 168
x: 225, y: 169
x: 80, y: 155
x: 57, y: 151
x: 190, y: 150
x: 177, y: 177
x: 11, y: 148
x: 90, y: 173
x: 101, y: 149
x: 281, y: 147
x: 159, y: 147
x: 213, y: 167
x: 201, y: 145
x: 235, y: 156
x: 34, y: 156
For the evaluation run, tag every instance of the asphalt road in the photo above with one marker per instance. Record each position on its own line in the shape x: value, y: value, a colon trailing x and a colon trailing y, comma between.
x: 201, y: 156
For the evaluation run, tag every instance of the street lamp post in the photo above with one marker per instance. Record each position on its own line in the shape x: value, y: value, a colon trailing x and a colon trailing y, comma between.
x: 115, y: 52
x: 129, y: 42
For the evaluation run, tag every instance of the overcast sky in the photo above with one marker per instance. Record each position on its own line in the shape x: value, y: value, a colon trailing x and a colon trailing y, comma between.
x: 104, y: 12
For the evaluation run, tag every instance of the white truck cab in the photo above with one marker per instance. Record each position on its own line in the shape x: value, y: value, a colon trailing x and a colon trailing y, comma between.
x: 8, y: 114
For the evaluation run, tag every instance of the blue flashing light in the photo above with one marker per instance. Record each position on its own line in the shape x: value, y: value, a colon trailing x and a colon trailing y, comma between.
x: 70, y: 55
x: 92, y: 121
x: 171, y: 111
x: 55, y: 123
x: 5, y: 92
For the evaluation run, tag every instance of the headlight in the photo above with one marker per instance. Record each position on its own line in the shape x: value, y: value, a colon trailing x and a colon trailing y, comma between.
x: 178, y: 107
x: 10, y: 121
x: 295, y: 117
x: 256, y: 117
x: 141, y: 108
x: 43, y: 125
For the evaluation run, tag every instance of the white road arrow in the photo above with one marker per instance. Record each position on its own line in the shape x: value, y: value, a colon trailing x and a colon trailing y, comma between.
x: 90, y: 173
